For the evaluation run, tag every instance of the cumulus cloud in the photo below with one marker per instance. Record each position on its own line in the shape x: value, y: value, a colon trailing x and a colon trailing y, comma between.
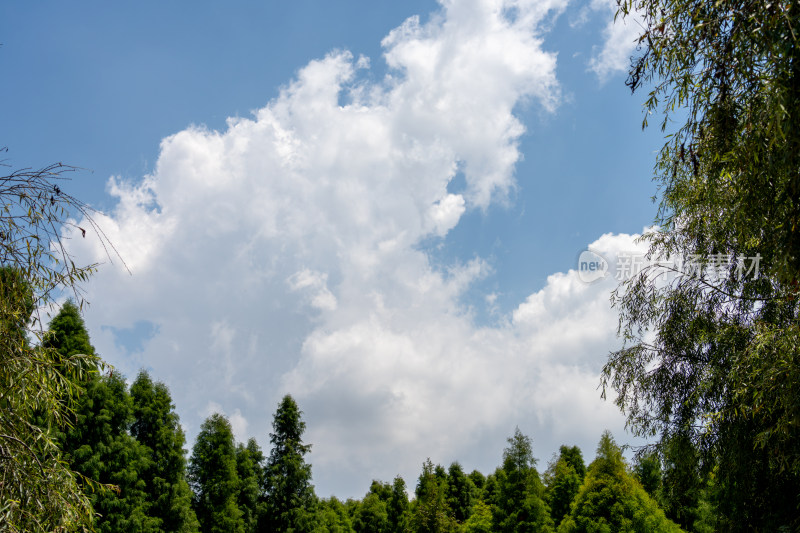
x: 283, y: 255
x: 620, y: 38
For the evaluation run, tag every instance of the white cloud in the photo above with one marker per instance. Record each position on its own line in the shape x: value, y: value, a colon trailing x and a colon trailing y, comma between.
x: 620, y: 37
x: 283, y: 255
x: 322, y: 298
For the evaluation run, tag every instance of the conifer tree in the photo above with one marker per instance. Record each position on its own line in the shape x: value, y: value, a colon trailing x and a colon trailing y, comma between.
x: 157, y: 428
x: 480, y: 521
x: 289, y: 496
x: 67, y: 333
x: 100, y: 447
x: 212, y: 475
x: 431, y: 512
x: 372, y: 515
x: 564, y: 479
x: 647, y: 470
x: 459, y: 492
x: 97, y: 444
x: 333, y: 517
x: 250, y: 469
x: 610, y: 499
x: 521, y: 505
x: 397, y: 507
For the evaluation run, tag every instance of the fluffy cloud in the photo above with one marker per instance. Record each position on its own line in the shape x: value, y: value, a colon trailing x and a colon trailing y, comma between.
x: 620, y: 37
x: 285, y: 255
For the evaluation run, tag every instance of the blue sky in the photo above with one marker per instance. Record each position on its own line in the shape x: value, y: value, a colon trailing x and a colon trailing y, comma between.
x: 379, y: 214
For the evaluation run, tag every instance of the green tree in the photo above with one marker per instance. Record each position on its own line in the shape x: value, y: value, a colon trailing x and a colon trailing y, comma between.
x: 212, y: 475
x: 99, y: 447
x: 480, y: 519
x: 372, y: 515
x: 289, y: 496
x: 491, y: 488
x: 478, y: 479
x: 563, y: 479
x: 610, y: 500
x: 459, y: 492
x: 39, y: 492
x: 712, y: 353
x: 156, y: 426
x: 397, y: 507
x: 647, y: 471
x: 333, y: 517
x: 521, y: 506
x: 431, y: 513
x: 250, y: 469
x: 67, y: 332
x: 681, y: 484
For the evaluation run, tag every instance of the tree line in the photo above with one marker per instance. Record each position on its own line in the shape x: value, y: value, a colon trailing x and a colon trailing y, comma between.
x: 127, y: 446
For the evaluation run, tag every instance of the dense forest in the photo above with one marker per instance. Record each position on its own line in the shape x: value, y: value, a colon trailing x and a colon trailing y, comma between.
x: 128, y: 447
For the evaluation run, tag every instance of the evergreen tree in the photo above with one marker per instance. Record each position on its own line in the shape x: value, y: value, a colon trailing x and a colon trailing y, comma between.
x: 521, y: 506
x: 397, y: 508
x: 156, y: 426
x: 67, y: 333
x: 98, y: 444
x: 99, y: 447
x: 610, y: 500
x: 431, y: 512
x: 372, y: 515
x: 480, y: 521
x: 681, y: 483
x: 250, y: 469
x: 491, y: 488
x: 564, y: 478
x: 459, y: 492
x: 574, y: 458
x: 212, y: 474
x: 647, y: 470
x: 333, y: 517
x: 478, y: 479
x: 289, y: 496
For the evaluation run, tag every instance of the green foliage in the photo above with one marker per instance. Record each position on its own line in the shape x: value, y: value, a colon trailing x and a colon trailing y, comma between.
x: 212, y: 474
x: 459, y: 492
x: 480, y: 519
x: 332, y: 517
x: 372, y: 515
x: 491, y: 489
x: 611, y: 501
x: 156, y: 426
x: 712, y: 354
x: 431, y: 512
x: 397, y: 507
x: 289, y: 496
x: 99, y: 447
x: 67, y: 333
x: 37, y: 391
x: 250, y: 469
x: 38, y: 492
x: 681, y: 481
x: 647, y: 471
x: 563, y: 479
x: 520, y: 503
